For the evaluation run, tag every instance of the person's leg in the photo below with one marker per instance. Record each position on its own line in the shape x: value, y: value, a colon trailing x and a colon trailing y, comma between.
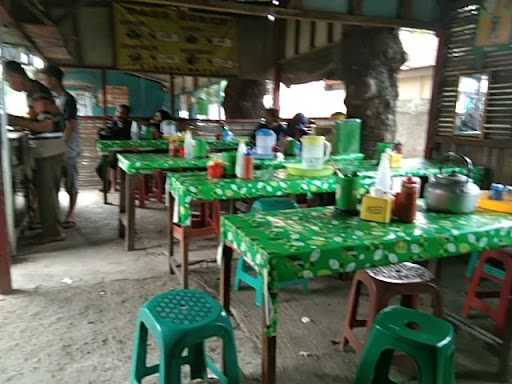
x: 71, y: 177
x: 47, y: 181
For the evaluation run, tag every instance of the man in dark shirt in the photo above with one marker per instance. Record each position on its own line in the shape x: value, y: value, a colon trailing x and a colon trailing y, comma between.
x: 271, y: 122
x: 46, y: 125
x: 53, y: 77
x: 117, y: 129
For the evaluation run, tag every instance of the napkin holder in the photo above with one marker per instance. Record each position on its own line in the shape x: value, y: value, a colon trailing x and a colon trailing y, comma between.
x: 395, y: 160
x: 376, y: 209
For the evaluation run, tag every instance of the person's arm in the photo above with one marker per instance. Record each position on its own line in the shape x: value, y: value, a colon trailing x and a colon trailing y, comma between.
x: 71, y: 126
x: 22, y: 123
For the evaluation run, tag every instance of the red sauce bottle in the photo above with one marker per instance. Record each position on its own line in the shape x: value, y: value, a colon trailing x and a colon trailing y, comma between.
x: 405, y: 203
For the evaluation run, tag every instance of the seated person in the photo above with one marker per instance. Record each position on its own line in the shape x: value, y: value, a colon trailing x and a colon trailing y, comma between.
x: 271, y: 122
x: 297, y: 127
x: 117, y: 129
x: 156, y: 123
x: 120, y: 127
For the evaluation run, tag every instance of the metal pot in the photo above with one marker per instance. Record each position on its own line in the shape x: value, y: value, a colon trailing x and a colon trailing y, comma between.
x: 453, y: 193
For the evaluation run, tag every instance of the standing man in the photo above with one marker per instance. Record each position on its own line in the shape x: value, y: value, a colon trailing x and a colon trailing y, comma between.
x: 117, y: 129
x: 46, y: 124
x: 53, y: 77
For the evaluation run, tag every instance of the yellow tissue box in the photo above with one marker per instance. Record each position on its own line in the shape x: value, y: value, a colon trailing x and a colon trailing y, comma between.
x: 376, y: 209
x: 395, y: 160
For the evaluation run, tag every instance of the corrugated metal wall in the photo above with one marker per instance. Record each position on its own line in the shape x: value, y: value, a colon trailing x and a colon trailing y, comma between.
x: 494, y: 148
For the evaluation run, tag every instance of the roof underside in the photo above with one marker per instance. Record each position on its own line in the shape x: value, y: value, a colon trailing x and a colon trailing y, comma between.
x: 80, y: 32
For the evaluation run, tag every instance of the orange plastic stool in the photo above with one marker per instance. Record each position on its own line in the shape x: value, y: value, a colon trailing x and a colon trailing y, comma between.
x: 406, y: 280
x: 498, y: 313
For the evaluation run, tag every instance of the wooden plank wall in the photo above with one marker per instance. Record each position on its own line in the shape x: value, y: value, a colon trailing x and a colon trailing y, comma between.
x: 494, y: 148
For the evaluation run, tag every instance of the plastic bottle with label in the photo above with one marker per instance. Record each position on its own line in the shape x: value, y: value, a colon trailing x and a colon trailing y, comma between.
x: 240, y: 153
x: 188, y: 145
x: 383, y: 178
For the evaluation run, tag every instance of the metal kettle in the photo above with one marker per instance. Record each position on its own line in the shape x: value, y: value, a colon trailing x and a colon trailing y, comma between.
x: 452, y: 193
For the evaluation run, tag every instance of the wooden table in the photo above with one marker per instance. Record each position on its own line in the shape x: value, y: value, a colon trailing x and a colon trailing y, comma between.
x: 308, y: 243
x: 108, y: 148
x: 132, y: 165
x: 185, y: 189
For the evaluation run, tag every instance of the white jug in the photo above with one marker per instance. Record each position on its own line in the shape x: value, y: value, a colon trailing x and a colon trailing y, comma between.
x: 265, y: 141
x: 315, y: 151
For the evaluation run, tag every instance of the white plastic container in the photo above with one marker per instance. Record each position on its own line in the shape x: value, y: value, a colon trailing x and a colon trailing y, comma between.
x: 240, y: 153
x: 383, y: 182
x: 135, y: 131
x: 188, y: 145
x: 265, y: 141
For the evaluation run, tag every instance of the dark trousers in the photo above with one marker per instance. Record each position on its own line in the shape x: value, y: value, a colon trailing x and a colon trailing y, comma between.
x: 107, y: 162
x: 47, y: 182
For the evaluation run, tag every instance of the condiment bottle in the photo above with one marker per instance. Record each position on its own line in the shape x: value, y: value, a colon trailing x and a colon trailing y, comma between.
x: 248, y: 171
x: 405, y: 202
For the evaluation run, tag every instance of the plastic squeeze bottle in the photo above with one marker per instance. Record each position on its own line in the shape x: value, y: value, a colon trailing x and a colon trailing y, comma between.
x: 188, y: 145
x: 383, y: 178
x: 240, y: 153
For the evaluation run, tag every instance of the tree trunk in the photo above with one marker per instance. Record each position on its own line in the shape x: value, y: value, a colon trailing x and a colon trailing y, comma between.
x: 243, y: 99
x: 371, y: 60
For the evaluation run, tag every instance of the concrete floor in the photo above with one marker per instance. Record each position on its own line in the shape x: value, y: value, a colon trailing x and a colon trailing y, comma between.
x: 72, y: 316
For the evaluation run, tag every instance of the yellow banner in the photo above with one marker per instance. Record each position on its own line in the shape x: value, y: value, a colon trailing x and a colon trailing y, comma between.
x: 160, y: 38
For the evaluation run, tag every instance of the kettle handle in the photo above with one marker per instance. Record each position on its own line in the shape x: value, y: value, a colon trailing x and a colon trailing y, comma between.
x: 467, y: 162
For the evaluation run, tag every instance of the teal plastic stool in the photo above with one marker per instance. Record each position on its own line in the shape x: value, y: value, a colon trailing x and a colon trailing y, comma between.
x: 474, y: 260
x: 428, y: 340
x: 242, y: 270
x: 181, y: 321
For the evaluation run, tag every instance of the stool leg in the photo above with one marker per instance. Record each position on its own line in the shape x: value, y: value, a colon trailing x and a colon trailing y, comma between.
x: 505, y: 298
x: 170, y: 368
x: 239, y: 270
x: 473, y: 287
x: 230, y: 358
x: 197, y: 361
x: 140, y: 354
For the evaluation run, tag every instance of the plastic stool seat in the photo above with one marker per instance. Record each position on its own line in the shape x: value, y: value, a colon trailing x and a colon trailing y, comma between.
x: 429, y: 341
x: 181, y: 321
x: 184, y: 308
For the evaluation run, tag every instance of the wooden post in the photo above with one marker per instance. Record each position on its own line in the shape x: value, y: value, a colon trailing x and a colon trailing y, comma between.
x: 5, y: 257
x: 172, y: 99
x: 104, y: 90
x: 436, y: 90
x: 277, y: 86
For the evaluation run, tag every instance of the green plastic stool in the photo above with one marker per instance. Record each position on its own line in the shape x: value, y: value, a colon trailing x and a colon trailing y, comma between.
x: 242, y: 270
x: 474, y: 260
x: 428, y: 340
x: 182, y: 320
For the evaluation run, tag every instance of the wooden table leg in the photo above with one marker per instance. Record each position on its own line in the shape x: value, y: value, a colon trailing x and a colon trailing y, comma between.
x: 122, y: 204
x: 268, y: 358
x: 106, y: 178
x: 225, y: 277
x: 129, y: 240
x: 184, y: 258
x: 170, y: 231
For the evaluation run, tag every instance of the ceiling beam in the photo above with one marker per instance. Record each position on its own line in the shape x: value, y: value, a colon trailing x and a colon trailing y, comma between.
x: 297, y: 14
x: 21, y: 30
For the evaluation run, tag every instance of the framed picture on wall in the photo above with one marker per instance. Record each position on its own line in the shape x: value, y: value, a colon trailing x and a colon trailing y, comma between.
x: 472, y: 93
x: 494, y: 25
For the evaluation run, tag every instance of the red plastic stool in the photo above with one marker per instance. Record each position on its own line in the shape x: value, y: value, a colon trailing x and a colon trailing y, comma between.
x: 205, y: 223
x: 406, y: 280
x: 498, y: 313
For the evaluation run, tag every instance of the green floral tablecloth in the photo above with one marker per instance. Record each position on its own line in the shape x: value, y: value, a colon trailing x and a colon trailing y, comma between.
x: 306, y: 243
x: 134, y: 163
x: 109, y: 146
x: 197, y: 187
